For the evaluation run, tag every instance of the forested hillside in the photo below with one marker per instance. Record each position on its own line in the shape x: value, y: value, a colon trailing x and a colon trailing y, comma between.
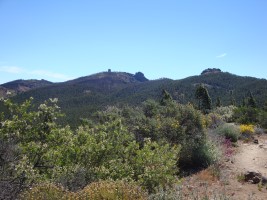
x: 81, y: 97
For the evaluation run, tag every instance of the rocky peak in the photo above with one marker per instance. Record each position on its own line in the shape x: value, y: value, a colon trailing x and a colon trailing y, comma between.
x: 211, y: 71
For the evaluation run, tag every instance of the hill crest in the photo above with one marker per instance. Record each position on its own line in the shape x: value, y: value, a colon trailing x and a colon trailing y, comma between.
x: 123, y: 77
x: 83, y: 96
x: 18, y: 86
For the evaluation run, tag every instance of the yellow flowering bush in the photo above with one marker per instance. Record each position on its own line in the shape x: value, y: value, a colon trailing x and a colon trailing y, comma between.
x: 246, y: 129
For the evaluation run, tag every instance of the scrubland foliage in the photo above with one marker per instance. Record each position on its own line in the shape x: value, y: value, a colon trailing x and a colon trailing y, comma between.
x: 36, y: 149
x: 43, y: 192
x: 229, y: 131
x: 251, y: 115
x: 112, y: 190
x: 133, y: 149
x: 225, y: 112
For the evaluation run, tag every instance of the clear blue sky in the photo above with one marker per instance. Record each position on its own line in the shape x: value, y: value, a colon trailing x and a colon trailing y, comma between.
x: 59, y: 40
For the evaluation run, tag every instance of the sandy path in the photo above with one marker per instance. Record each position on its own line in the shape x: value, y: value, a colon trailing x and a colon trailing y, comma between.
x: 253, y: 156
x: 248, y: 156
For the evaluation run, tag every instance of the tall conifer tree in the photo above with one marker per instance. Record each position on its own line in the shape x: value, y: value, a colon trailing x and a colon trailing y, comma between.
x: 204, y: 100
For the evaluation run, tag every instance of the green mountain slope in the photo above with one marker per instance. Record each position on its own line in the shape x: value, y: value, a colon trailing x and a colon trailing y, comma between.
x: 81, y: 97
x: 218, y: 84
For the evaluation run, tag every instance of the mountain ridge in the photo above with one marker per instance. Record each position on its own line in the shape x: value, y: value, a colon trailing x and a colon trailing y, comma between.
x: 15, y: 87
x: 109, y: 79
x: 81, y: 97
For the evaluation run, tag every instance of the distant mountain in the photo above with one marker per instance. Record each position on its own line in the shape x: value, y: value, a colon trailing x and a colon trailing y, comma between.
x: 211, y: 71
x: 18, y: 86
x: 108, y: 81
x: 79, y: 98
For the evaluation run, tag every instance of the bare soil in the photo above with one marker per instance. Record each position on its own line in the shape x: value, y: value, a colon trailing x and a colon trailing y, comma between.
x: 229, y: 184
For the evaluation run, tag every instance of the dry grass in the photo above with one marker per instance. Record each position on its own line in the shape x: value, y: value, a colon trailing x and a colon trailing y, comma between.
x: 207, y: 175
x: 102, y: 190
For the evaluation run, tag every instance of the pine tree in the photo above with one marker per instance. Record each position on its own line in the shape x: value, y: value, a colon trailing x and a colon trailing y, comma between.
x: 207, y: 100
x: 166, y: 97
x: 204, y: 100
x: 251, y: 101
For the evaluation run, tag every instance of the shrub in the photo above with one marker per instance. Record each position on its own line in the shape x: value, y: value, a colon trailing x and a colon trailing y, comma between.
x: 258, y: 130
x: 247, y: 132
x: 72, y: 177
x: 229, y: 131
x: 112, y: 190
x: 247, y: 129
x: 155, y: 165
x: 226, y: 112
x: 246, y: 115
x: 182, y: 125
x: 109, y: 152
x: 34, y: 144
x: 44, y: 192
x: 213, y: 120
x: 150, y: 108
x: 207, y: 153
x: 172, y: 122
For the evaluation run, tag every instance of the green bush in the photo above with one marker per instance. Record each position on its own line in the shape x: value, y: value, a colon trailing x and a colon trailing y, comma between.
x: 43, y: 151
x: 34, y: 144
x: 213, y: 120
x: 114, y: 147
x: 109, y: 152
x: 225, y: 112
x: 229, y: 131
x: 246, y: 115
x: 172, y: 122
x: 207, y: 153
x: 155, y: 165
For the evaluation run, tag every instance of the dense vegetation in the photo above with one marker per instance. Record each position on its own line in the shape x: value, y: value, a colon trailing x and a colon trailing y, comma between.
x: 137, y: 148
x: 81, y: 97
x: 145, y: 146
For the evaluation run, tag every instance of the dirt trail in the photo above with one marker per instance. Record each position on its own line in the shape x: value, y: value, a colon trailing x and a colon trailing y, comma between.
x: 248, y: 156
x: 252, y: 156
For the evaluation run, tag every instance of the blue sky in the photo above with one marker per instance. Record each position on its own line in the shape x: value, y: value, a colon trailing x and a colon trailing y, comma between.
x: 58, y: 40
